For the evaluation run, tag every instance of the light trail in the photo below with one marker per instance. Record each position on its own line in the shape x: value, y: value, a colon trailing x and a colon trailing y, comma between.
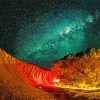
x: 37, y: 76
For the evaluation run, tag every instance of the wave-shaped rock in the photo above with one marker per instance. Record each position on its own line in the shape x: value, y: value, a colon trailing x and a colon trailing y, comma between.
x: 15, y: 76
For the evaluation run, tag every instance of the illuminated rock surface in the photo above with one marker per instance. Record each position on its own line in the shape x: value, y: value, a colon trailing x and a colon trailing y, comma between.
x: 13, y: 85
x: 78, y: 78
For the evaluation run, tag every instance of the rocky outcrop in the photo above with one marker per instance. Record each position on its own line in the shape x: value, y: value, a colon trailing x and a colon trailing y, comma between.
x: 80, y: 72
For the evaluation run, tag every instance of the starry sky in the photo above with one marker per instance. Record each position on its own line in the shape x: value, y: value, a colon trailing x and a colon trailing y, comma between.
x: 42, y: 31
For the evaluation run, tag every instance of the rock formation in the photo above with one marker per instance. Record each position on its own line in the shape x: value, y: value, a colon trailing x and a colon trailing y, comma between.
x: 80, y: 72
x: 15, y: 87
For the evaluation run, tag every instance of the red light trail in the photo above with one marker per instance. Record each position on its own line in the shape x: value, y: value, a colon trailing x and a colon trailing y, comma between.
x: 37, y: 76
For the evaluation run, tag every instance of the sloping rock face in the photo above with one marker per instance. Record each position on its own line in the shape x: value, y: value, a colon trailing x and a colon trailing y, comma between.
x: 15, y: 87
x: 80, y: 72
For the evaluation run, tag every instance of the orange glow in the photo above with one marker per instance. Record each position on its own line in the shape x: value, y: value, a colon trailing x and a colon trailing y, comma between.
x: 81, y: 86
x: 56, y: 80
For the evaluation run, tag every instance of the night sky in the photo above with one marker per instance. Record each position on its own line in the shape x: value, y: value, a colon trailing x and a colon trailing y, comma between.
x: 42, y: 31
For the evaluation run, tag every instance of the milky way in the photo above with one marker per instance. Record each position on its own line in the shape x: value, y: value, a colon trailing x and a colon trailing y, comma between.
x: 53, y: 36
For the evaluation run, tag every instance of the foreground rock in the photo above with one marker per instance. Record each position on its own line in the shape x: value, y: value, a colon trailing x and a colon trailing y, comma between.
x: 12, y: 86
